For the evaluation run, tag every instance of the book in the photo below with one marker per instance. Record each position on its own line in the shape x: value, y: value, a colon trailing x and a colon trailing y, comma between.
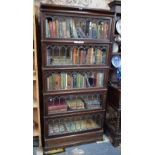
x: 74, y: 55
x: 67, y: 28
x: 105, y: 29
x: 53, y: 29
x: 98, y: 56
x: 94, y: 30
x: 57, y: 104
x: 56, y: 78
x: 81, y: 55
x: 50, y: 82
x: 57, y: 28
x: 47, y: 29
x: 69, y: 81
x: 100, y: 79
x: 74, y: 32
x: 64, y: 29
x: 74, y: 80
x: 75, y: 104
x: 50, y: 28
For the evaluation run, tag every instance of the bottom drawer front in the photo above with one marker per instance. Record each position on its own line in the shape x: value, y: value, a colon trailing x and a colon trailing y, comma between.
x: 70, y: 140
x: 74, y: 124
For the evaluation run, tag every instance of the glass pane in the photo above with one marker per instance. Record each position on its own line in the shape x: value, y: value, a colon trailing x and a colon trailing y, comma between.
x: 61, y: 104
x: 74, y: 124
x: 74, y: 80
x: 73, y: 27
x: 73, y: 55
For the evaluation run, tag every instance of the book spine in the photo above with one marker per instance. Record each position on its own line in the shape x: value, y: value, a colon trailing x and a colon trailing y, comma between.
x: 77, y: 56
x: 74, y: 55
x: 81, y: 56
x: 47, y: 28
x: 74, y: 29
x: 57, y: 28
x: 54, y: 29
x: 67, y: 28
x: 50, y: 28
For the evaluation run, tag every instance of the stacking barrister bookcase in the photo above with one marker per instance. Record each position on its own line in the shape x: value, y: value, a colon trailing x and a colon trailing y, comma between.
x: 75, y: 47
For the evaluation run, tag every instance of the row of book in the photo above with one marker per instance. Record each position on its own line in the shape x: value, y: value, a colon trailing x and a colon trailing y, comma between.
x: 59, y: 127
x: 58, y: 81
x: 62, y: 105
x: 78, y: 56
x: 75, y: 28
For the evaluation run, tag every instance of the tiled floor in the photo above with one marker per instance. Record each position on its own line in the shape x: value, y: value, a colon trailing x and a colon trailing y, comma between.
x: 99, y: 148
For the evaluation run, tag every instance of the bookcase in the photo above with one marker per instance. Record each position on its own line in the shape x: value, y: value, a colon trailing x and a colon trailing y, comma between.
x: 36, y: 105
x: 113, y: 109
x: 75, y: 53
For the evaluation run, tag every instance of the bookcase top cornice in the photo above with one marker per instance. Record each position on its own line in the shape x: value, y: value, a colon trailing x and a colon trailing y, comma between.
x: 49, y: 7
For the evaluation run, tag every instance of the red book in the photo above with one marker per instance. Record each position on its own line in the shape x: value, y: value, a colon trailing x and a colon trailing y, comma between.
x: 58, y: 104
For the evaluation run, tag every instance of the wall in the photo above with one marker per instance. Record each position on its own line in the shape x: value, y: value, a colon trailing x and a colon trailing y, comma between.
x: 100, y: 4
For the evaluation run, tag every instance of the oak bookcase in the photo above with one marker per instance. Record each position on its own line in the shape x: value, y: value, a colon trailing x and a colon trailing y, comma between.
x: 75, y: 58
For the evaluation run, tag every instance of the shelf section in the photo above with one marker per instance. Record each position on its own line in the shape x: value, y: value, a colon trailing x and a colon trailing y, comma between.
x: 34, y: 75
x: 35, y: 105
x: 76, y: 67
x: 116, y: 54
x: 36, y: 131
x: 90, y: 90
x: 76, y: 41
x: 77, y: 113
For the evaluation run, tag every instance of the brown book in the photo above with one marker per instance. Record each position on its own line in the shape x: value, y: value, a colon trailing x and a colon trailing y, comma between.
x: 91, y: 55
x: 69, y: 81
x: 81, y: 56
x: 57, y: 81
x: 50, y: 28
x: 54, y: 29
x: 74, y: 55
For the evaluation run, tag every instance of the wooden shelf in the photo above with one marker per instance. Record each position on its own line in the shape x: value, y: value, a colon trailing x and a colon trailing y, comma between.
x: 36, y: 131
x: 34, y: 75
x: 35, y: 105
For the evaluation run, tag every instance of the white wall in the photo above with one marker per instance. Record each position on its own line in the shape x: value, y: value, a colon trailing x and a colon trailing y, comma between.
x: 100, y: 4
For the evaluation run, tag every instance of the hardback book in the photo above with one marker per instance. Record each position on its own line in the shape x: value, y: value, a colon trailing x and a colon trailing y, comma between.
x: 60, y: 29
x: 56, y: 78
x: 90, y: 29
x: 68, y: 28
x: 105, y: 28
x: 98, y: 57
x: 100, y: 79
x: 77, y: 56
x: 94, y: 31
x: 64, y: 29
x: 81, y: 55
x: 87, y: 28
x: 74, y: 55
x: 50, y: 82
x: 69, y: 81
x: 57, y: 28
x: 75, y: 104
x: 51, y: 28
x: 57, y: 104
x: 47, y: 29
x: 74, y: 80
x: 74, y: 29
x: 99, y: 31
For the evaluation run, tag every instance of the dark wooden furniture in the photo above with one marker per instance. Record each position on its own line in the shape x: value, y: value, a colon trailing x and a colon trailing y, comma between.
x: 113, y: 109
x: 75, y: 46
